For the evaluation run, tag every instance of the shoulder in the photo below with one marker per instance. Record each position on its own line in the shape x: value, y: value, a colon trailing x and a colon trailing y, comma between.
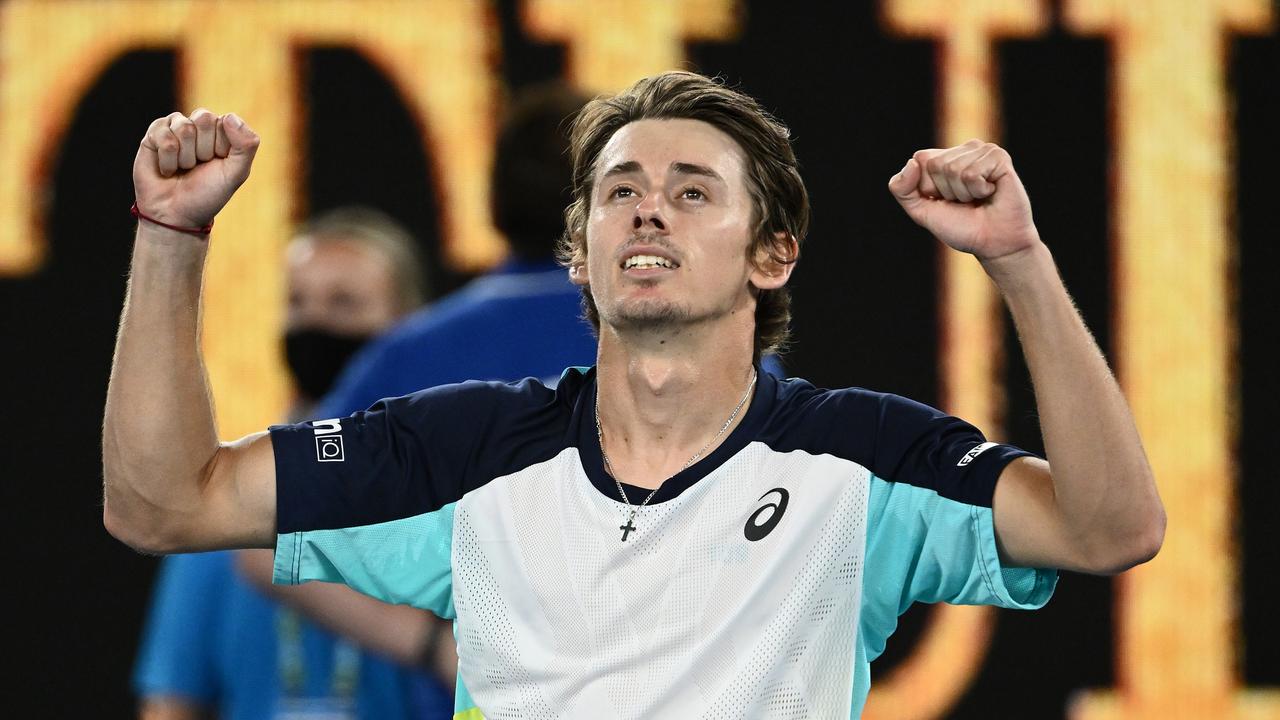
x: 458, y: 402
x: 417, y: 453
x: 897, y: 439
x: 808, y: 417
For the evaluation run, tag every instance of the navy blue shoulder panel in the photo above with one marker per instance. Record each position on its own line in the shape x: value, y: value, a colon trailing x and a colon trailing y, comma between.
x: 898, y: 439
x: 414, y: 454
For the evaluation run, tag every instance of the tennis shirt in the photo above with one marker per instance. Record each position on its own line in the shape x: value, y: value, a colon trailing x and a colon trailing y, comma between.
x: 759, y: 582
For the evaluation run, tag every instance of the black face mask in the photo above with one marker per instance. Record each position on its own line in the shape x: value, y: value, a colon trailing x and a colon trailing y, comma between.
x: 316, y: 357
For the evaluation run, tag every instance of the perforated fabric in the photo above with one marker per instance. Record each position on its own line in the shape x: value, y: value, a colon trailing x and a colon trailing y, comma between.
x: 688, y: 618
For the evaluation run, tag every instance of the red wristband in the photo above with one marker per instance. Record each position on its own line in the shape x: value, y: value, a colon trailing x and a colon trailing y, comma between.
x: 134, y: 211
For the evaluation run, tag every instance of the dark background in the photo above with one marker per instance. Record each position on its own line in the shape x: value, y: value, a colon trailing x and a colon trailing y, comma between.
x: 858, y: 103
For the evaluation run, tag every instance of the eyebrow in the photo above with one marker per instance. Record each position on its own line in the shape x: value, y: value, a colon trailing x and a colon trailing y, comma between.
x: 629, y: 166
x: 680, y: 168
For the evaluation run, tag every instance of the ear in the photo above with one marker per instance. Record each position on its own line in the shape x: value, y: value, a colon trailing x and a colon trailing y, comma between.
x: 774, y: 263
x: 578, y: 274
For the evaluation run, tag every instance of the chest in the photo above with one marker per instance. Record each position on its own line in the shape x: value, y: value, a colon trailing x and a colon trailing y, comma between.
x: 724, y: 594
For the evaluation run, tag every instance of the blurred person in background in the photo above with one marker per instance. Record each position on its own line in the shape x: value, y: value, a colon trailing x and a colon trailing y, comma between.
x: 213, y: 645
x: 522, y: 318
x: 519, y: 320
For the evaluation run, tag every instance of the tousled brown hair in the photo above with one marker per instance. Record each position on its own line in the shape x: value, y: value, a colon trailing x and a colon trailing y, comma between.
x: 773, y: 180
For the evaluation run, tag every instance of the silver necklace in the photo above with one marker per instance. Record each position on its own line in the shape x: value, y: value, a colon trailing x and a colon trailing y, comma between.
x: 628, y: 528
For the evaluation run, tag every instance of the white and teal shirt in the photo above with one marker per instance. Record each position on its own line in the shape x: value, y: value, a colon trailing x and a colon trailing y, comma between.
x: 758, y: 583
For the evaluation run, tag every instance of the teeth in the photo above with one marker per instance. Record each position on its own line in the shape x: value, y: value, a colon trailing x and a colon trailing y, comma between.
x: 646, y: 261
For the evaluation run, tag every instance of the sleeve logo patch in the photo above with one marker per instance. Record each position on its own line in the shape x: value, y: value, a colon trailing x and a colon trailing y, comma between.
x: 328, y: 440
x: 974, y: 453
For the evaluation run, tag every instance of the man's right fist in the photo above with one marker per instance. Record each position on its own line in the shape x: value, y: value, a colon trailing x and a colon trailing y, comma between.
x: 187, y: 168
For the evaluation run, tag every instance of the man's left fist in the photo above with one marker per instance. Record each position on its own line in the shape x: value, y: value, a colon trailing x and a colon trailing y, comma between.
x: 969, y: 197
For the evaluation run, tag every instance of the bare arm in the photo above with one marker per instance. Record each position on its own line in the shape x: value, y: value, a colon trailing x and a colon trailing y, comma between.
x: 169, y: 485
x: 171, y: 708
x: 404, y: 634
x: 1098, y: 510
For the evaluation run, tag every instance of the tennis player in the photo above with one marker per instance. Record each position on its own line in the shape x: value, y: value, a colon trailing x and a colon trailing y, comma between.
x: 671, y: 533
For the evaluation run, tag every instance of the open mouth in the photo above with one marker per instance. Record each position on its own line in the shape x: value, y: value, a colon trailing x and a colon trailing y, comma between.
x: 647, y: 262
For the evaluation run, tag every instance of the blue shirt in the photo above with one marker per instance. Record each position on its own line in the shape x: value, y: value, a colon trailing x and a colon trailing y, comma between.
x: 215, y: 640
x: 521, y: 320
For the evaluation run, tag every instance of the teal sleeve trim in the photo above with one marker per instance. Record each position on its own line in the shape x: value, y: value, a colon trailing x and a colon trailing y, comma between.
x: 1011, y: 587
x: 922, y: 547
x: 406, y: 561
x: 284, y: 570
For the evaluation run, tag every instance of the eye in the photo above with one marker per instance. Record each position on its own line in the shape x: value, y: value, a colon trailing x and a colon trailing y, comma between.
x: 622, y: 191
x: 692, y: 193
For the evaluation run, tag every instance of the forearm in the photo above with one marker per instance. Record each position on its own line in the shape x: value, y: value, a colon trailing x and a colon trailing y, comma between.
x: 397, y: 632
x: 1104, y: 493
x: 158, y: 429
x: 404, y: 634
x: 171, y: 708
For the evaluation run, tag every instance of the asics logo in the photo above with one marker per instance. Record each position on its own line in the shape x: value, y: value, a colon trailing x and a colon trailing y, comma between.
x: 756, y: 530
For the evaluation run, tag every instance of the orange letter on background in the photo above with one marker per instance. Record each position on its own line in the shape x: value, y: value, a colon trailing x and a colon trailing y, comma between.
x: 1177, y: 625
x: 613, y: 43
x: 236, y: 55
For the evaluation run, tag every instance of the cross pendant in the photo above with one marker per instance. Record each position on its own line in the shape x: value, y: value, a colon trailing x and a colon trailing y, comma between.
x: 628, y: 528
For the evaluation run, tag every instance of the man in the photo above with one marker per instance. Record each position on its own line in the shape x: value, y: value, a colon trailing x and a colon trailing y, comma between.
x: 215, y: 646
x: 768, y: 533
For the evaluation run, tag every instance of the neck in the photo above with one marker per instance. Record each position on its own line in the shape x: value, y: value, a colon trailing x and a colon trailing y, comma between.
x: 662, y: 399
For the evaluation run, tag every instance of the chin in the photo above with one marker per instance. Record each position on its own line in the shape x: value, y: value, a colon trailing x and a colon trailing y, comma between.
x: 649, y: 314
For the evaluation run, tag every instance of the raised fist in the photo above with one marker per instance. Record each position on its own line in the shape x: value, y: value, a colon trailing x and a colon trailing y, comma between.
x: 969, y: 197
x: 187, y: 168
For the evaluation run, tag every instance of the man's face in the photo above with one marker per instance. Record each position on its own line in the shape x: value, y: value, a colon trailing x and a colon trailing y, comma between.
x: 340, y: 286
x: 670, y: 226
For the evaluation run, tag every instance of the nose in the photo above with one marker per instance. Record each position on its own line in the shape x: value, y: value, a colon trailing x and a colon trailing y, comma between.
x: 650, y: 211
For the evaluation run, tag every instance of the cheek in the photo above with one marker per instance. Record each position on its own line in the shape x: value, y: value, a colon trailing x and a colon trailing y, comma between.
x: 732, y: 241
x: 594, y: 248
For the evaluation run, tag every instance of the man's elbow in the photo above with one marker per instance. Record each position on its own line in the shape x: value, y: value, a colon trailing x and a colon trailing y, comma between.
x: 121, y: 504
x: 146, y: 537
x: 129, y: 533
x: 149, y: 511
x: 1134, y: 548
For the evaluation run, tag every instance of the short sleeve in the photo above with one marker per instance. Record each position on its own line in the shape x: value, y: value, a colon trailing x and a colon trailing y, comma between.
x: 922, y: 547
x: 368, y: 500
x: 930, y: 534
x: 897, y: 439
x: 177, y: 653
x: 922, y: 446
